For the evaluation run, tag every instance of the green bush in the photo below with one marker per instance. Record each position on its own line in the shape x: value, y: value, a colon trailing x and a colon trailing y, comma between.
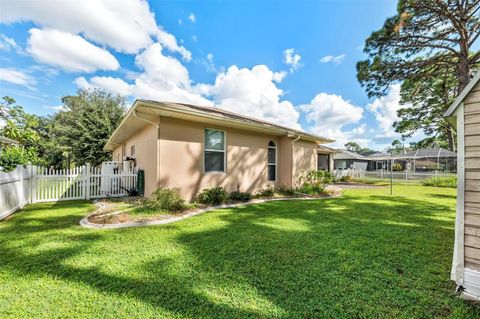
x: 311, y: 189
x: 166, y: 199
x: 212, y: 196
x: 238, y: 196
x: 266, y: 192
x: 285, y: 190
x: 443, y: 181
x: 313, y: 182
x: 346, y: 178
x: 315, y: 177
x: 397, y: 167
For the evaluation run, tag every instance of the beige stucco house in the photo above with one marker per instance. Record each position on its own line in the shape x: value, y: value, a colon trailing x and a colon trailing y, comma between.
x: 464, y: 115
x: 191, y: 148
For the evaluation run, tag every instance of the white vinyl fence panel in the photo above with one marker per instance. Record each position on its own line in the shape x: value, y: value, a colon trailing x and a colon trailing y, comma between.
x: 35, y: 184
x: 15, y: 190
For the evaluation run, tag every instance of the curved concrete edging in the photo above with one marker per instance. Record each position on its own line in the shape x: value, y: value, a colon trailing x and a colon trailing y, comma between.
x: 85, y: 223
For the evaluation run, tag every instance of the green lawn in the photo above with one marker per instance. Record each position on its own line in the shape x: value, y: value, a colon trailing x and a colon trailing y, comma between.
x: 366, y: 254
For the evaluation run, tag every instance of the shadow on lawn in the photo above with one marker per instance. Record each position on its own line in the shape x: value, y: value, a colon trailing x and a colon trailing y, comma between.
x: 348, y: 256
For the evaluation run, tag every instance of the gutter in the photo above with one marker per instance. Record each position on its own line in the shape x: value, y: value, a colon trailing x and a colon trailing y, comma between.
x: 144, y: 119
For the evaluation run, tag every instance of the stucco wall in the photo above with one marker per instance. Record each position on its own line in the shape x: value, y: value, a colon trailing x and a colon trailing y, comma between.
x: 181, y: 159
x: 146, y: 148
x: 304, y: 159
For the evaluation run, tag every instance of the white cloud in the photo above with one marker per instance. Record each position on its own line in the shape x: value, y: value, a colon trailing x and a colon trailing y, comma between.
x: 385, y: 110
x: 192, y: 17
x: 114, y: 85
x: 334, y: 59
x: 68, y: 51
x: 180, y: 22
x: 252, y: 92
x: 9, y: 44
x: 194, y: 38
x: 331, y: 111
x: 292, y: 59
x: 209, y: 63
x: 329, y: 114
x: 17, y: 77
x: 163, y: 78
x: 128, y: 27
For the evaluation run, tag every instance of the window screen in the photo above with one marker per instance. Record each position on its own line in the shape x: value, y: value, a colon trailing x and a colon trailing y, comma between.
x: 214, y: 150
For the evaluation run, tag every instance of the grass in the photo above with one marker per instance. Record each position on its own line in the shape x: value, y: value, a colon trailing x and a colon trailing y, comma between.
x: 363, y: 255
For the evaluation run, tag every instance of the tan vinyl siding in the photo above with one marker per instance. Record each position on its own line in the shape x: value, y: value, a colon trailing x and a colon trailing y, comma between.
x: 472, y: 179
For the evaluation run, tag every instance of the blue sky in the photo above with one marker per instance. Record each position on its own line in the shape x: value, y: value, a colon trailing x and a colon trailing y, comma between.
x: 292, y: 63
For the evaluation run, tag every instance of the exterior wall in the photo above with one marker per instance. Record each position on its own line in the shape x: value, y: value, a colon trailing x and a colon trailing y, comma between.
x: 285, y: 161
x: 146, y: 149
x: 182, y: 151
x: 472, y: 179
x: 304, y: 159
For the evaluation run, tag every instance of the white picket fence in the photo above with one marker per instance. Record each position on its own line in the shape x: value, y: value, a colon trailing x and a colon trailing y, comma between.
x: 34, y: 184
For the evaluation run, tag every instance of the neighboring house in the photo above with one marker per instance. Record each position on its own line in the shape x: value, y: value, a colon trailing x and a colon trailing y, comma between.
x: 422, y: 160
x: 464, y: 116
x: 344, y: 159
x: 191, y: 148
x: 5, y: 141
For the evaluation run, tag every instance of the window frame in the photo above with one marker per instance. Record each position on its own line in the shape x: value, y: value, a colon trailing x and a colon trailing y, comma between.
x: 224, y: 151
x: 328, y: 161
x: 276, y: 160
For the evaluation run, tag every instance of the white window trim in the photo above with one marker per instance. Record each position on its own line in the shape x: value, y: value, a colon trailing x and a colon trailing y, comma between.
x: 219, y: 151
x: 276, y: 160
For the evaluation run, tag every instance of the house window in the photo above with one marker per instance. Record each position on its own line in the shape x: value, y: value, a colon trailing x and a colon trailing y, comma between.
x: 323, y: 161
x: 132, y: 151
x: 214, y: 151
x: 340, y: 164
x: 272, y: 161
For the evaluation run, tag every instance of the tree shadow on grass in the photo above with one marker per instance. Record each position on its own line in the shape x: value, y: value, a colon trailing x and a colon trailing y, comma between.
x: 345, y: 257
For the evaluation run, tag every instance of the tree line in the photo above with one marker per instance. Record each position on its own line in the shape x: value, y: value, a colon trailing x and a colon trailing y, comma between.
x: 75, y: 135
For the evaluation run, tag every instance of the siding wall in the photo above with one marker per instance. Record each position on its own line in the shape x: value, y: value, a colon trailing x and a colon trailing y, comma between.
x: 472, y: 179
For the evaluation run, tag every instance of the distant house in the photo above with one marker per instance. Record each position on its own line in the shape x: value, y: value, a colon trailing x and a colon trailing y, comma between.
x: 422, y: 160
x: 192, y: 147
x: 464, y: 116
x: 4, y: 141
x: 344, y: 159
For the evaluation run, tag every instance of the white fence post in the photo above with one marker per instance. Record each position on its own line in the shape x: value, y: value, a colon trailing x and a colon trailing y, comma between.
x: 87, y: 182
x: 33, y: 184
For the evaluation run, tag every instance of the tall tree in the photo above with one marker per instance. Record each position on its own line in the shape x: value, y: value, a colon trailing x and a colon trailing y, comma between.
x: 21, y: 127
x: 425, y: 40
x: 85, y: 124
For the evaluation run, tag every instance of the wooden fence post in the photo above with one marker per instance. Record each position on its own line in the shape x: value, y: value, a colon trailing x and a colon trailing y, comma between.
x: 87, y: 181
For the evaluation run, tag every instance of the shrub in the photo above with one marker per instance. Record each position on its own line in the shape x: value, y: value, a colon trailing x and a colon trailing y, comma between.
x: 346, y: 178
x: 166, y: 199
x: 397, y: 167
x: 212, y: 196
x: 443, y: 181
x: 266, y: 192
x: 238, y: 196
x: 311, y: 189
x: 313, y: 182
x: 316, y: 177
x: 285, y: 190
